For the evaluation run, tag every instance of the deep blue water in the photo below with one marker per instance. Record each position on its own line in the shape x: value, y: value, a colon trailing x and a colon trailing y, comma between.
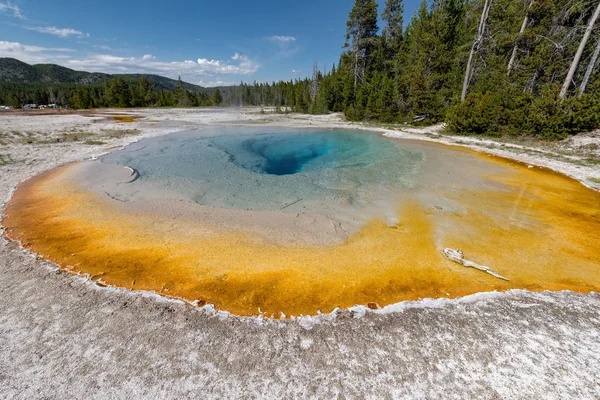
x: 292, y: 153
x: 268, y: 168
x: 286, y: 157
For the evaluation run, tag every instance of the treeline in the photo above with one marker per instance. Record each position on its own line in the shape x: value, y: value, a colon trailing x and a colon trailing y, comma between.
x: 483, y: 67
x: 290, y: 95
x: 116, y: 92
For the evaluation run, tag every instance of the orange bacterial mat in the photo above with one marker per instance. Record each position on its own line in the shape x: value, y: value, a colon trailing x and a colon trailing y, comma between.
x: 541, y: 230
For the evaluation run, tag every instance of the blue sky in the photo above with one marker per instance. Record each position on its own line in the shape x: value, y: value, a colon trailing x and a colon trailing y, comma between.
x: 206, y: 42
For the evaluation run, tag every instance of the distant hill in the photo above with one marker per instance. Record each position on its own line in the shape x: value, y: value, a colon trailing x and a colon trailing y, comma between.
x: 162, y: 83
x: 15, y: 71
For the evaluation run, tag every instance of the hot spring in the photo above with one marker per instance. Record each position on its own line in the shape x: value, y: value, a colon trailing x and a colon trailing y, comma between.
x: 286, y: 222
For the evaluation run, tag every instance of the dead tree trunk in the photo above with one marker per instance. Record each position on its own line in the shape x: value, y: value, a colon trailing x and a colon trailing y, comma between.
x: 590, y: 69
x: 575, y: 63
x: 355, y: 68
x: 513, y: 56
x: 475, y: 47
x: 314, y: 87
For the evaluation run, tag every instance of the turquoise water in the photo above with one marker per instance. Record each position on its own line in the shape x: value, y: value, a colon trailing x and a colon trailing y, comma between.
x: 287, y: 155
x: 274, y: 169
x: 293, y: 153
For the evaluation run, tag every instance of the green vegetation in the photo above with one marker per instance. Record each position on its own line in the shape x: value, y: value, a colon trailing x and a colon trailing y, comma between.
x: 92, y: 142
x: 5, y: 159
x: 485, y: 67
x: 116, y: 92
x: 21, y: 84
x: 120, y: 133
x: 66, y: 137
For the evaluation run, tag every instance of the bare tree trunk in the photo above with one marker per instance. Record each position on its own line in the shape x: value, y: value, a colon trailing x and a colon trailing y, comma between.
x: 531, y: 84
x: 575, y: 63
x: 589, y: 70
x: 314, y: 87
x: 513, y: 57
x: 355, y: 67
x: 474, y: 48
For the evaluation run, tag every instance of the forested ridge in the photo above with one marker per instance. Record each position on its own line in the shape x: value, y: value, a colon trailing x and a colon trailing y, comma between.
x: 21, y: 83
x: 118, y: 92
x: 502, y: 67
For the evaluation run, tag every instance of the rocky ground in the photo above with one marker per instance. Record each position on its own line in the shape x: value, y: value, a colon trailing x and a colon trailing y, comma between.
x: 63, y: 337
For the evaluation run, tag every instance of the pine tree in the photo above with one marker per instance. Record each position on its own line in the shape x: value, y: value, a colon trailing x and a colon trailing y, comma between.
x: 118, y: 93
x: 215, y: 98
x: 12, y: 100
x: 513, y: 56
x: 146, y: 92
x: 361, y: 33
x: 394, y: 20
x: 135, y: 96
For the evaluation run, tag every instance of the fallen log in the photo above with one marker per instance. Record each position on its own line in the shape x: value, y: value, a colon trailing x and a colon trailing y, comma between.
x: 458, y: 257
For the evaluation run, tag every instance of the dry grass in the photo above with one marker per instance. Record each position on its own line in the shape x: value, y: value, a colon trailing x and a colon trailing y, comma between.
x: 92, y: 142
x: 120, y: 133
x: 6, y: 159
x: 70, y: 136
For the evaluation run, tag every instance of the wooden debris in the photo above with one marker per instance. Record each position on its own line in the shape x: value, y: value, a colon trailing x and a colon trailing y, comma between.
x: 458, y: 257
x: 131, y: 170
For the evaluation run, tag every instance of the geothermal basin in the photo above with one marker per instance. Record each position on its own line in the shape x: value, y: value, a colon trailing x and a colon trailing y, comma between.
x: 282, y: 222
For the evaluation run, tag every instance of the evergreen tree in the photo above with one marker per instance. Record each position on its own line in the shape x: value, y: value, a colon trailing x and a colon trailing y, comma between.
x: 12, y: 100
x: 215, y: 98
x: 361, y: 35
x: 118, y: 93
x: 394, y: 20
x: 146, y: 92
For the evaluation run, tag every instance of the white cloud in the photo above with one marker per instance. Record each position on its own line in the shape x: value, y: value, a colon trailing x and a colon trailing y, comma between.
x: 9, y: 8
x: 16, y: 46
x: 284, y: 39
x: 191, y: 71
x: 285, y: 44
x: 241, y: 65
x: 103, y: 47
x: 296, y: 71
x: 209, y: 63
x: 32, y: 54
x: 106, y: 47
x: 60, y: 32
x: 244, y: 66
